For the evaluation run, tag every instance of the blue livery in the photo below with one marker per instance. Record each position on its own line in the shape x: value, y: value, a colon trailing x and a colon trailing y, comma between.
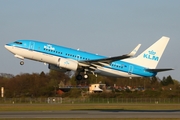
x: 67, y: 59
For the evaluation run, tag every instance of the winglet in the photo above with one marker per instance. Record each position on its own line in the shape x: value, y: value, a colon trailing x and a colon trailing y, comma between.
x: 134, y: 51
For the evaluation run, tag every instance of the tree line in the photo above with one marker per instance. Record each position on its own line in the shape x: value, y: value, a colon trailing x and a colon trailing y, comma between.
x: 47, y: 84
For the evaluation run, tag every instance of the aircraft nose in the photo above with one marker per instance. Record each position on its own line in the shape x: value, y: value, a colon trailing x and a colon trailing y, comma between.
x: 7, y: 46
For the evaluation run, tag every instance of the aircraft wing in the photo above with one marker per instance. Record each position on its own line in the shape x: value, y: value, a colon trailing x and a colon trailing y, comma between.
x: 104, y: 61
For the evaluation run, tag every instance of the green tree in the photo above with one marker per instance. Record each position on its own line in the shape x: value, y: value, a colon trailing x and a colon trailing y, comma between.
x: 167, y: 81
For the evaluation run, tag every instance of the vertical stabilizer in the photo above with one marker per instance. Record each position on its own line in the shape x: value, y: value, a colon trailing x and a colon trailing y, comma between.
x: 151, y: 56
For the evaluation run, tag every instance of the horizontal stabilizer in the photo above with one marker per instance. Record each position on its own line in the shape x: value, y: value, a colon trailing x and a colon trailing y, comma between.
x: 159, y: 70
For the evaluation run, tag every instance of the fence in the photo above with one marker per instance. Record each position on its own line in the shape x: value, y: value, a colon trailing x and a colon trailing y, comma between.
x: 59, y: 100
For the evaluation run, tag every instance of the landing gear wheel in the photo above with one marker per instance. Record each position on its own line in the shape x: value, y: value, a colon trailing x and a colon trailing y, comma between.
x: 86, y: 76
x: 22, y: 63
x: 79, y: 77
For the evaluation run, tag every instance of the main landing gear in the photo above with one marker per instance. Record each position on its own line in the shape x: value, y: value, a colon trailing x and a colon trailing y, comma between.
x: 83, y: 74
x: 80, y: 77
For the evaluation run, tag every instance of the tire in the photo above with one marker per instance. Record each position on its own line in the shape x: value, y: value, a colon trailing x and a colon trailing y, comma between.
x: 22, y: 63
x: 79, y: 77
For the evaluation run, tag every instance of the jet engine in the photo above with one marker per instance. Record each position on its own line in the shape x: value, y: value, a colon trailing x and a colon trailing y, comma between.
x: 55, y: 67
x: 67, y: 64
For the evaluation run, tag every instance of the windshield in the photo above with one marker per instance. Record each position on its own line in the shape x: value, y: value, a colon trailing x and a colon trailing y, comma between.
x: 18, y: 42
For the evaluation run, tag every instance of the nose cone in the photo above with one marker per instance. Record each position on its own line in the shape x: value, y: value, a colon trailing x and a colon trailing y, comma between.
x: 7, y: 47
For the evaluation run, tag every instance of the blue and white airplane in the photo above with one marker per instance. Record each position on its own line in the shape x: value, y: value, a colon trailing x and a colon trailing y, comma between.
x: 66, y: 59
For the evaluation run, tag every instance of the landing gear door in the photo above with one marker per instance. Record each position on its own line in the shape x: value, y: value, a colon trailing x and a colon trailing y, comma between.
x: 31, y: 46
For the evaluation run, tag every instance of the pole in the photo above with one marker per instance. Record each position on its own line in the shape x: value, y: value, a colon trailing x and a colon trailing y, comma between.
x: 2, y: 92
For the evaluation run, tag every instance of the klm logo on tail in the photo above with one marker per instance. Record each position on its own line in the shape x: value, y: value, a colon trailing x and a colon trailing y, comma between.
x: 151, y: 56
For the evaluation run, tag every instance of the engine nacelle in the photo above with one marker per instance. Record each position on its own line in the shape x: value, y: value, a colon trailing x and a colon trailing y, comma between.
x: 55, y: 67
x: 67, y: 64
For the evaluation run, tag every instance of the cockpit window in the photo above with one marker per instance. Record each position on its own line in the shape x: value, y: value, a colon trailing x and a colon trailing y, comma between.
x: 18, y: 42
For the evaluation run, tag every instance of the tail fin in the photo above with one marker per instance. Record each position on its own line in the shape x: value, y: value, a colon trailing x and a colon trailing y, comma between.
x: 151, y: 56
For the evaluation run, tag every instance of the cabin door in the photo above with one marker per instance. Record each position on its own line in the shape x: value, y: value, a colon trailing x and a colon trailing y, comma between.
x: 130, y: 69
x: 31, y: 46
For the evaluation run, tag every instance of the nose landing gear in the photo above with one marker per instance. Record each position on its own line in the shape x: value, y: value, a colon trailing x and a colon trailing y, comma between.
x: 22, y: 63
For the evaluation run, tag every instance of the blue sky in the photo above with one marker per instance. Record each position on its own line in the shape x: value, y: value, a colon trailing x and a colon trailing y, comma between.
x: 106, y: 27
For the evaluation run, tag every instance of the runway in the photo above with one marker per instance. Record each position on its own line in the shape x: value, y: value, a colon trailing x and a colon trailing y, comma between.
x: 93, y: 114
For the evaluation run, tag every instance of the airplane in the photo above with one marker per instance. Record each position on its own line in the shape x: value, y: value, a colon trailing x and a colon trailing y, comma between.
x: 67, y: 59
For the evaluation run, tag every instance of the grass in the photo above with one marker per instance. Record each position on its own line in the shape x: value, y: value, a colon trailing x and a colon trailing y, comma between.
x: 93, y: 119
x: 67, y: 107
x: 98, y: 107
